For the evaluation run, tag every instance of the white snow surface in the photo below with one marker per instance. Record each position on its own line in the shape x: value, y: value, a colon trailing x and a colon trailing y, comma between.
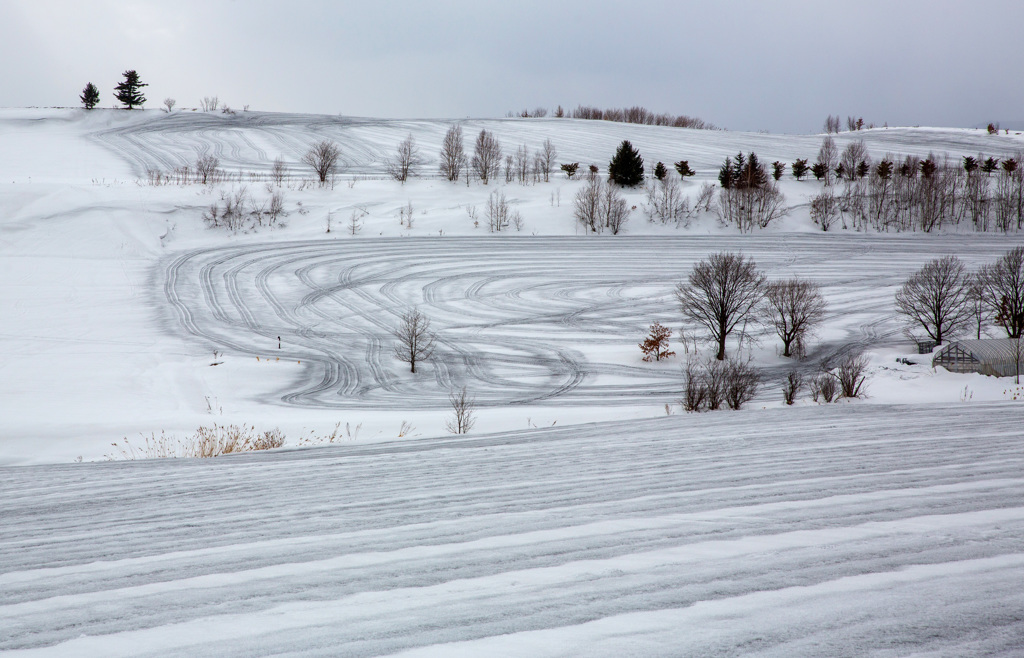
x: 577, y: 519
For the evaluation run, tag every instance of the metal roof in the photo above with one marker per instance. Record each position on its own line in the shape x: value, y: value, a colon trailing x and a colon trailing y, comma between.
x: 990, y: 350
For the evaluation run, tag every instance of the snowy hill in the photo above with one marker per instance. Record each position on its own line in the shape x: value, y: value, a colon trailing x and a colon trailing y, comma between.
x: 575, y: 514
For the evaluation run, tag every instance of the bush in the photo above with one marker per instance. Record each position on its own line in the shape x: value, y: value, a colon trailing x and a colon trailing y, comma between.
x: 207, y: 442
x: 790, y: 388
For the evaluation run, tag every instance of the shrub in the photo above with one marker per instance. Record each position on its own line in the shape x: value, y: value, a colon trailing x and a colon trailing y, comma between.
x: 791, y: 386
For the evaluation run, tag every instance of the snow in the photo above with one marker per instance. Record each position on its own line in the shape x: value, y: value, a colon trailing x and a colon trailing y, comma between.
x: 577, y: 518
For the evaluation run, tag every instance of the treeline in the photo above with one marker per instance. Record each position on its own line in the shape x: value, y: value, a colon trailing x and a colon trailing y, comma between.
x: 908, y: 193
x: 639, y: 115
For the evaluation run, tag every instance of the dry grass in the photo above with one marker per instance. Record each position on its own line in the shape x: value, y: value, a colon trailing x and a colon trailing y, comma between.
x: 212, y: 441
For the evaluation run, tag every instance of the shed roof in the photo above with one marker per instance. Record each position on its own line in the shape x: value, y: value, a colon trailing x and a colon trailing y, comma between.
x: 991, y: 350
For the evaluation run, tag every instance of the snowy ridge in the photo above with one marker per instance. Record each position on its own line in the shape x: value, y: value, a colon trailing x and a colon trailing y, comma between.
x: 828, y: 531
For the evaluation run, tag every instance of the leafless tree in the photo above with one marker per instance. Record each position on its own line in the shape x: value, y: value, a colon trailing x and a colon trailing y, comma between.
x: 793, y: 307
x: 169, y: 104
x: 522, y: 165
x: 666, y: 202
x: 790, y: 388
x: 828, y: 156
x: 832, y: 124
x: 462, y: 419
x: 206, y: 168
x: 453, y: 155
x: 415, y: 340
x: 936, y: 298
x: 487, y: 156
x: 1004, y: 291
x: 548, y: 155
x: 500, y: 215
x: 209, y: 103
x: 851, y: 374
x: 976, y: 302
x: 278, y: 171
x: 825, y: 209
x: 600, y: 206
x: 742, y: 381
x: 406, y: 156
x: 323, y: 158
x: 720, y: 293
x: 854, y: 154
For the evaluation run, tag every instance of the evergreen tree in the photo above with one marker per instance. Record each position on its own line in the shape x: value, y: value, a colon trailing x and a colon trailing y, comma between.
x: 627, y: 167
x: 128, y: 91
x: 990, y: 165
x: 725, y: 174
x: 90, y: 96
x: 660, y: 172
x: 820, y: 170
x: 778, y: 168
x: 884, y: 169
x: 863, y: 169
x: 683, y: 167
x: 800, y: 168
x: 970, y: 164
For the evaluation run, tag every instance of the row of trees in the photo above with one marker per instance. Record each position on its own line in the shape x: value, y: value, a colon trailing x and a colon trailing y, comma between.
x: 943, y: 299
x: 487, y: 159
x: 127, y: 92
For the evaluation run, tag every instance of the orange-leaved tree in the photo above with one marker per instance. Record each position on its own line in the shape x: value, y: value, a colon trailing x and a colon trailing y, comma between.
x: 655, y: 346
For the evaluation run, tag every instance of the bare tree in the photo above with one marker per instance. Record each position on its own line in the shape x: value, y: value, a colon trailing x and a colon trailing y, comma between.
x: 790, y: 388
x: 206, y: 168
x: 278, y: 171
x: 462, y: 419
x: 828, y: 156
x: 935, y: 298
x: 500, y: 215
x: 209, y: 103
x: 453, y: 155
x: 976, y: 302
x: 1004, y: 291
x: 548, y: 155
x: 742, y: 380
x: 169, y: 104
x: 415, y: 340
x: 487, y: 156
x: 832, y: 124
x: 406, y: 156
x: 323, y: 158
x: 722, y: 292
x: 793, y: 307
x: 853, y: 155
x: 600, y: 206
x: 851, y: 375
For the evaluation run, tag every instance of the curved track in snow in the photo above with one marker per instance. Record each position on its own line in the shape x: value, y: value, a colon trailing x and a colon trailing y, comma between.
x: 519, y: 320
x: 839, y: 530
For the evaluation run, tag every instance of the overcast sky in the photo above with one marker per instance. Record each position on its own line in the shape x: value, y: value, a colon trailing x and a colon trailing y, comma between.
x: 775, y: 65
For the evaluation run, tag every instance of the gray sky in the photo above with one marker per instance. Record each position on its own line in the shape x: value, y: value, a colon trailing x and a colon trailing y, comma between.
x: 777, y: 65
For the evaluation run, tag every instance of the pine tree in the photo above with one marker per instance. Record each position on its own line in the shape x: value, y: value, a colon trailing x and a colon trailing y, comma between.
x: 660, y: 172
x: 799, y: 168
x: 863, y: 169
x: 970, y: 164
x: 778, y: 167
x: 990, y: 165
x: 725, y: 174
x: 627, y: 167
x: 683, y: 167
x: 884, y: 169
x: 128, y: 90
x: 90, y: 96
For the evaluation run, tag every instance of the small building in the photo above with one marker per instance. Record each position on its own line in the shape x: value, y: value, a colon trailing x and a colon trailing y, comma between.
x: 998, y: 357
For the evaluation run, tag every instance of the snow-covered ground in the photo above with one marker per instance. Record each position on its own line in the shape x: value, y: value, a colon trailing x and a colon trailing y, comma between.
x: 888, y: 525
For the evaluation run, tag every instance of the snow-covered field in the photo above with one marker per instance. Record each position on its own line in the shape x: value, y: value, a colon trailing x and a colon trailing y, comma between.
x: 573, y: 519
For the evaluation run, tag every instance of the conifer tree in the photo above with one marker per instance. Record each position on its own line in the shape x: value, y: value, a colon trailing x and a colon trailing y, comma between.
x: 660, y: 172
x: 627, y: 167
x: 128, y: 91
x: 683, y: 167
x: 800, y: 168
x: 778, y: 167
x: 90, y: 96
